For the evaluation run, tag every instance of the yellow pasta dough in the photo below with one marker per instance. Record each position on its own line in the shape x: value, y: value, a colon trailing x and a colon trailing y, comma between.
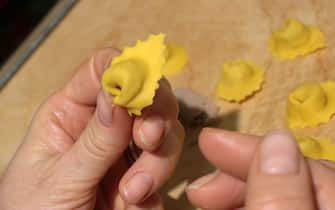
x: 295, y: 39
x: 311, y: 104
x: 176, y: 59
x: 132, y: 78
x: 238, y: 80
x: 317, y: 148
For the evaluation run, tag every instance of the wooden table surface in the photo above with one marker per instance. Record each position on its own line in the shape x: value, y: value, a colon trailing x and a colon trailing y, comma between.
x: 212, y: 31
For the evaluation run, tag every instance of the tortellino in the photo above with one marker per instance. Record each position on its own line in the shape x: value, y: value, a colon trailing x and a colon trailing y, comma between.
x: 176, y: 59
x: 238, y: 80
x: 311, y: 104
x: 317, y: 148
x: 295, y: 39
x: 132, y: 78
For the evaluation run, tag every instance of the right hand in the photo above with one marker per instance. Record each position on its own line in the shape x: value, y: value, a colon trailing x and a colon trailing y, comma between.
x: 256, y: 173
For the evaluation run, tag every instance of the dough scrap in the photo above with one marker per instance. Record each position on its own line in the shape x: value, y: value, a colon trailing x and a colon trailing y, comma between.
x: 176, y: 59
x: 238, y: 80
x: 317, y: 148
x: 296, y: 39
x: 132, y: 78
x: 311, y: 104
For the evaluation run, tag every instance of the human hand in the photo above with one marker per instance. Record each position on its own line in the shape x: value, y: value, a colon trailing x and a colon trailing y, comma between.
x: 72, y: 155
x: 261, y: 173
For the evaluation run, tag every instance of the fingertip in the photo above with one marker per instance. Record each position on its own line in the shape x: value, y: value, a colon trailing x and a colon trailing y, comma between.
x: 216, y: 191
x: 222, y: 136
x: 279, y: 176
x: 149, y: 131
x: 220, y: 147
x: 208, y: 135
x: 104, y: 56
x: 206, y: 132
x: 214, y: 136
x: 85, y: 85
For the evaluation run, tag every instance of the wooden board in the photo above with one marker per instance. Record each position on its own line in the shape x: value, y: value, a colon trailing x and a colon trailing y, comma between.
x: 212, y: 31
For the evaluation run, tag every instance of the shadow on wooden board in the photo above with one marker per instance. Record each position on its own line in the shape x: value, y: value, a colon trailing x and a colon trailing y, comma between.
x: 192, y: 164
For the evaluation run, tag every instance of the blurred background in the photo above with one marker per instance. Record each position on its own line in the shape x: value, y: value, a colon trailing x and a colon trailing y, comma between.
x: 23, y: 26
x: 18, y: 19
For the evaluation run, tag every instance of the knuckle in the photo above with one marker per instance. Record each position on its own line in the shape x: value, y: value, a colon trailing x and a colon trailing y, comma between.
x: 61, y: 190
x: 53, y: 99
x: 94, y: 143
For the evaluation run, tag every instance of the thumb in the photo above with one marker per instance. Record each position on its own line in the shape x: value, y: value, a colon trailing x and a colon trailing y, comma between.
x: 279, y: 177
x: 102, y: 142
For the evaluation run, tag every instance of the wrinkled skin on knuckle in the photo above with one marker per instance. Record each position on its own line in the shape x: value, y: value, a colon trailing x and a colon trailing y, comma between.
x: 74, y: 195
x: 95, y: 144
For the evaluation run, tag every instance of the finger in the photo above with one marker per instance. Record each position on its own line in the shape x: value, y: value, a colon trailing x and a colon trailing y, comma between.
x: 109, y: 197
x: 279, y: 177
x: 153, y: 202
x: 81, y: 92
x: 152, y: 170
x: 66, y: 113
x: 149, y: 128
x: 84, y: 87
x: 102, y: 142
x: 324, y: 185
x: 217, y: 191
x: 220, y: 147
x: 322, y: 176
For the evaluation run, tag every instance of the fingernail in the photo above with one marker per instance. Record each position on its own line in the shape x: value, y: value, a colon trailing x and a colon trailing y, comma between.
x: 203, y: 181
x: 138, y: 187
x: 105, y: 108
x: 151, y: 130
x: 279, y: 154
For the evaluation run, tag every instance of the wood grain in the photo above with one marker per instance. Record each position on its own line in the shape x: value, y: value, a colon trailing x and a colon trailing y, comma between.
x: 213, y: 32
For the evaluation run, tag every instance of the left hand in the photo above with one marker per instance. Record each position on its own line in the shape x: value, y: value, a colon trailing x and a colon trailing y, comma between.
x: 72, y: 155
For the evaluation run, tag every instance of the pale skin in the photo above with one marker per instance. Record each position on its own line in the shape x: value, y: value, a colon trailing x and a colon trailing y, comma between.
x: 72, y: 158
x: 261, y: 173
